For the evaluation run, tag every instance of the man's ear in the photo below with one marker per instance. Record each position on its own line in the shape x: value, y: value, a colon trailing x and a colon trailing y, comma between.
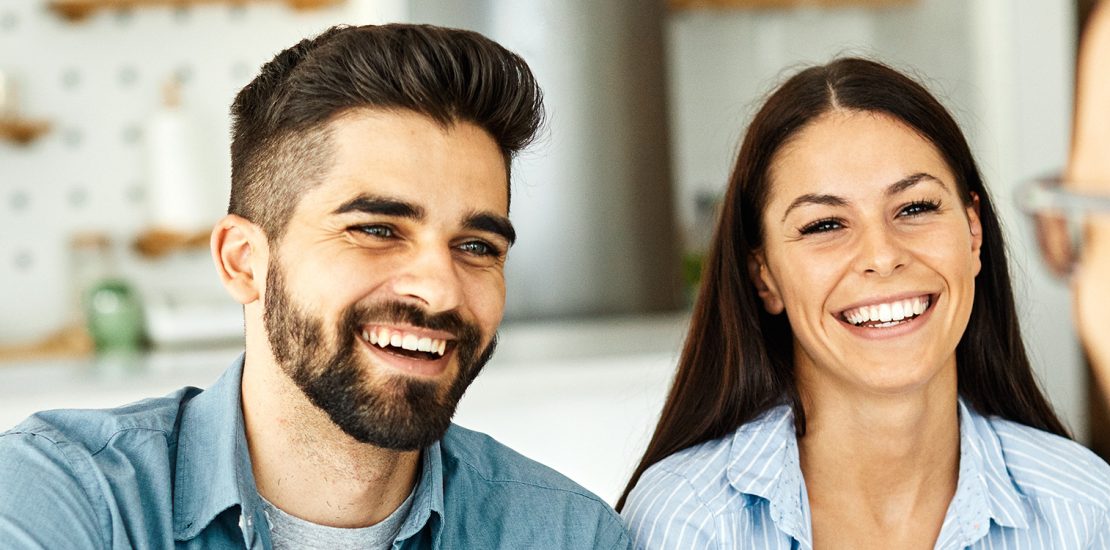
x: 764, y: 283
x: 976, y: 227
x: 237, y: 248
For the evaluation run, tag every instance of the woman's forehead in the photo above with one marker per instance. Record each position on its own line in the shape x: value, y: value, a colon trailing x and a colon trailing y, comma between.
x: 849, y: 153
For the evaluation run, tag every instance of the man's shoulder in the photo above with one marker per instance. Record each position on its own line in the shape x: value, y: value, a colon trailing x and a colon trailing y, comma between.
x: 95, y: 472
x: 95, y: 429
x: 485, y: 476
x: 482, y: 456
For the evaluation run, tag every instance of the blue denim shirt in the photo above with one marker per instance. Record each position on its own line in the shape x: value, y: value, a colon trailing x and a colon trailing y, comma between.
x: 175, y: 471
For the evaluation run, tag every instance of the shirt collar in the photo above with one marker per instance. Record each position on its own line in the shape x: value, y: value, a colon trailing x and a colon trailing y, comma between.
x: 213, y: 470
x: 428, y: 499
x: 985, y: 491
x: 763, y: 463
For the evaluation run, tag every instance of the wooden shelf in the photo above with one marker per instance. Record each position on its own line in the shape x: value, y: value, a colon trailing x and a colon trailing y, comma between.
x: 22, y: 130
x: 70, y: 342
x: 771, y: 4
x: 76, y: 10
x: 155, y: 243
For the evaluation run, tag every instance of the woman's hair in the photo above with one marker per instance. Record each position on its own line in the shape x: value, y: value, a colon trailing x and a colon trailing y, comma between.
x: 738, y: 359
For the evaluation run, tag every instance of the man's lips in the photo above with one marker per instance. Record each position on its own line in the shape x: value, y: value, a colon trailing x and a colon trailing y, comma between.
x: 408, y: 339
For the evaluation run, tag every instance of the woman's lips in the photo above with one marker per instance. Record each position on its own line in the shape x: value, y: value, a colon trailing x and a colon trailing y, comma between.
x: 889, y: 311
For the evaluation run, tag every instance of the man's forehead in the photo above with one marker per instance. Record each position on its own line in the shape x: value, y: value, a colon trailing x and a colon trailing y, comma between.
x: 416, y: 158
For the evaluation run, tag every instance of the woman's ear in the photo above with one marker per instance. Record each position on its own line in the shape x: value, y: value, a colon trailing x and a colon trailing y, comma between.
x: 237, y: 245
x: 764, y: 283
x: 976, y: 227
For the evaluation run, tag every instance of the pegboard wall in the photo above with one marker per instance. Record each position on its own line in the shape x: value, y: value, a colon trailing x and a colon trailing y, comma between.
x: 99, y: 82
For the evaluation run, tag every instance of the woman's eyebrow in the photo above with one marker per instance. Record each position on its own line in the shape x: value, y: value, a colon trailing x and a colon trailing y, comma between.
x: 910, y: 181
x: 814, y: 198
x: 834, y: 200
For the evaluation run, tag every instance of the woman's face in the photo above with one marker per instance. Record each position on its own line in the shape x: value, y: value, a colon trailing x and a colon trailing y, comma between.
x: 870, y: 252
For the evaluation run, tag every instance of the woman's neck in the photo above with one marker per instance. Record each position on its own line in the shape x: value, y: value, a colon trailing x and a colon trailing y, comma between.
x: 880, y: 461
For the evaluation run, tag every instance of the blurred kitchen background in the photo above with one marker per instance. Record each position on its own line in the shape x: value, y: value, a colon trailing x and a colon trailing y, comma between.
x: 114, y: 162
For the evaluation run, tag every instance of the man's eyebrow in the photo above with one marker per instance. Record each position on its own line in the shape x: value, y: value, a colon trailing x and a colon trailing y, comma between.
x: 382, y: 206
x: 492, y: 223
x: 834, y: 200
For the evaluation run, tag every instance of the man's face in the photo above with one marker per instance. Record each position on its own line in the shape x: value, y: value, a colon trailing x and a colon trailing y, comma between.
x: 383, y: 297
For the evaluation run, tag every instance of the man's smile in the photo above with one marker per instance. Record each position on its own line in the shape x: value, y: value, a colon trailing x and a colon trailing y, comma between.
x: 407, y: 339
x: 409, y: 349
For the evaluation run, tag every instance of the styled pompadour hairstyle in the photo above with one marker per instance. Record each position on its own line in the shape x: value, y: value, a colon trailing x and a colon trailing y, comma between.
x: 280, y: 121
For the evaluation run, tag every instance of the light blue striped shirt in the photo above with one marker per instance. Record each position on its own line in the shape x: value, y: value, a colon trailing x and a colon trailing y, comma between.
x: 1018, y: 488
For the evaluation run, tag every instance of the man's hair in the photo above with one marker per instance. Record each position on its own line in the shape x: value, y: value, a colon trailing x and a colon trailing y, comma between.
x: 281, y: 145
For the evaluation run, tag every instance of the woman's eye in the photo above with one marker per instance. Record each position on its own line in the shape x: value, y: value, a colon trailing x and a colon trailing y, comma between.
x: 919, y: 207
x: 822, y: 226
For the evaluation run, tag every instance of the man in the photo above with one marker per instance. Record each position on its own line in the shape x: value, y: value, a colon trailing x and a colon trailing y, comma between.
x: 366, y: 238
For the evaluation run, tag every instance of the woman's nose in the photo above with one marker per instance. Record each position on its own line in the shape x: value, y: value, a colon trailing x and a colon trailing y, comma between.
x: 880, y: 252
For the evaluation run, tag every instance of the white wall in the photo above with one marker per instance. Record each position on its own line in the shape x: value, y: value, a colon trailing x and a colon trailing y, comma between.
x: 1024, y: 70
x: 98, y: 82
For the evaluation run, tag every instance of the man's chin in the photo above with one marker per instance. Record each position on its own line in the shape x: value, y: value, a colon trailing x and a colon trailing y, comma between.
x: 398, y: 413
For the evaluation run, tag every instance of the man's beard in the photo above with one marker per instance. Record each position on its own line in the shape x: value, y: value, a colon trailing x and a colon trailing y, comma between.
x: 390, y: 411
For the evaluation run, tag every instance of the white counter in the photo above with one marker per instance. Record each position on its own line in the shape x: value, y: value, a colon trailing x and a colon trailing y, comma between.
x: 579, y: 396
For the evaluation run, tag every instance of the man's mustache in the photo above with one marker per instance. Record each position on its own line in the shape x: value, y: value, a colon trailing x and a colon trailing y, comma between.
x: 394, y: 312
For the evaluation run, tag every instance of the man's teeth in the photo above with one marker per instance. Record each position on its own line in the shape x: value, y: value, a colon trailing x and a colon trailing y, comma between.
x: 885, y: 313
x: 383, y: 337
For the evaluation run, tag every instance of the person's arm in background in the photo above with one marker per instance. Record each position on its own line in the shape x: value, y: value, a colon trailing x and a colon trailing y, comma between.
x: 1089, y: 169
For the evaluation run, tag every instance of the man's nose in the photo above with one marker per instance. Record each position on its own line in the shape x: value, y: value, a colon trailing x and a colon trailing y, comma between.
x: 880, y: 252
x: 430, y: 277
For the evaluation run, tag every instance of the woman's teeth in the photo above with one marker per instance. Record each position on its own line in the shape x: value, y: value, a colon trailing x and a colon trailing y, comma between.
x: 383, y: 337
x: 889, y: 312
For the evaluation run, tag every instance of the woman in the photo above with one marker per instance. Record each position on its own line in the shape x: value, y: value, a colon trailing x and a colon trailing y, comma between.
x: 854, y: 376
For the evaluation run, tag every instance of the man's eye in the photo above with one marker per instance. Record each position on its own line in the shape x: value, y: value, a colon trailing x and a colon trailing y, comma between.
x: 479, y: 248
x: 821, y: 226
x: 380, y: 231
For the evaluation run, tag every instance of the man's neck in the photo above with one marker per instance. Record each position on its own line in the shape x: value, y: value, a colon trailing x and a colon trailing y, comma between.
x: 305, y: 465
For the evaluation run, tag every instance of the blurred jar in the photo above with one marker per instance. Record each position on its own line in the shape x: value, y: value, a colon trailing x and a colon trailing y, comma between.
x: 110, y: 306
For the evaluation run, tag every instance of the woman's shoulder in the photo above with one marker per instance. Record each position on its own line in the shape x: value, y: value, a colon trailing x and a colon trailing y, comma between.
x: 678, y: 500
x: 691, y: 480
x: 706, y: 475
x: 1046, y: 466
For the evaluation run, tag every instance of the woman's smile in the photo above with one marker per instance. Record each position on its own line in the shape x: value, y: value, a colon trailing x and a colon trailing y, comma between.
x: 888, y: 317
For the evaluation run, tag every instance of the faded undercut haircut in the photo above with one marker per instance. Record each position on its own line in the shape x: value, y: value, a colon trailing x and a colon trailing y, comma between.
x: 280, y: 140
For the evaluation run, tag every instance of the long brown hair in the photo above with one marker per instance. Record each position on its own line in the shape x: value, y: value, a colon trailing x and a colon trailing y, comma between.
x: 738, y: 360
